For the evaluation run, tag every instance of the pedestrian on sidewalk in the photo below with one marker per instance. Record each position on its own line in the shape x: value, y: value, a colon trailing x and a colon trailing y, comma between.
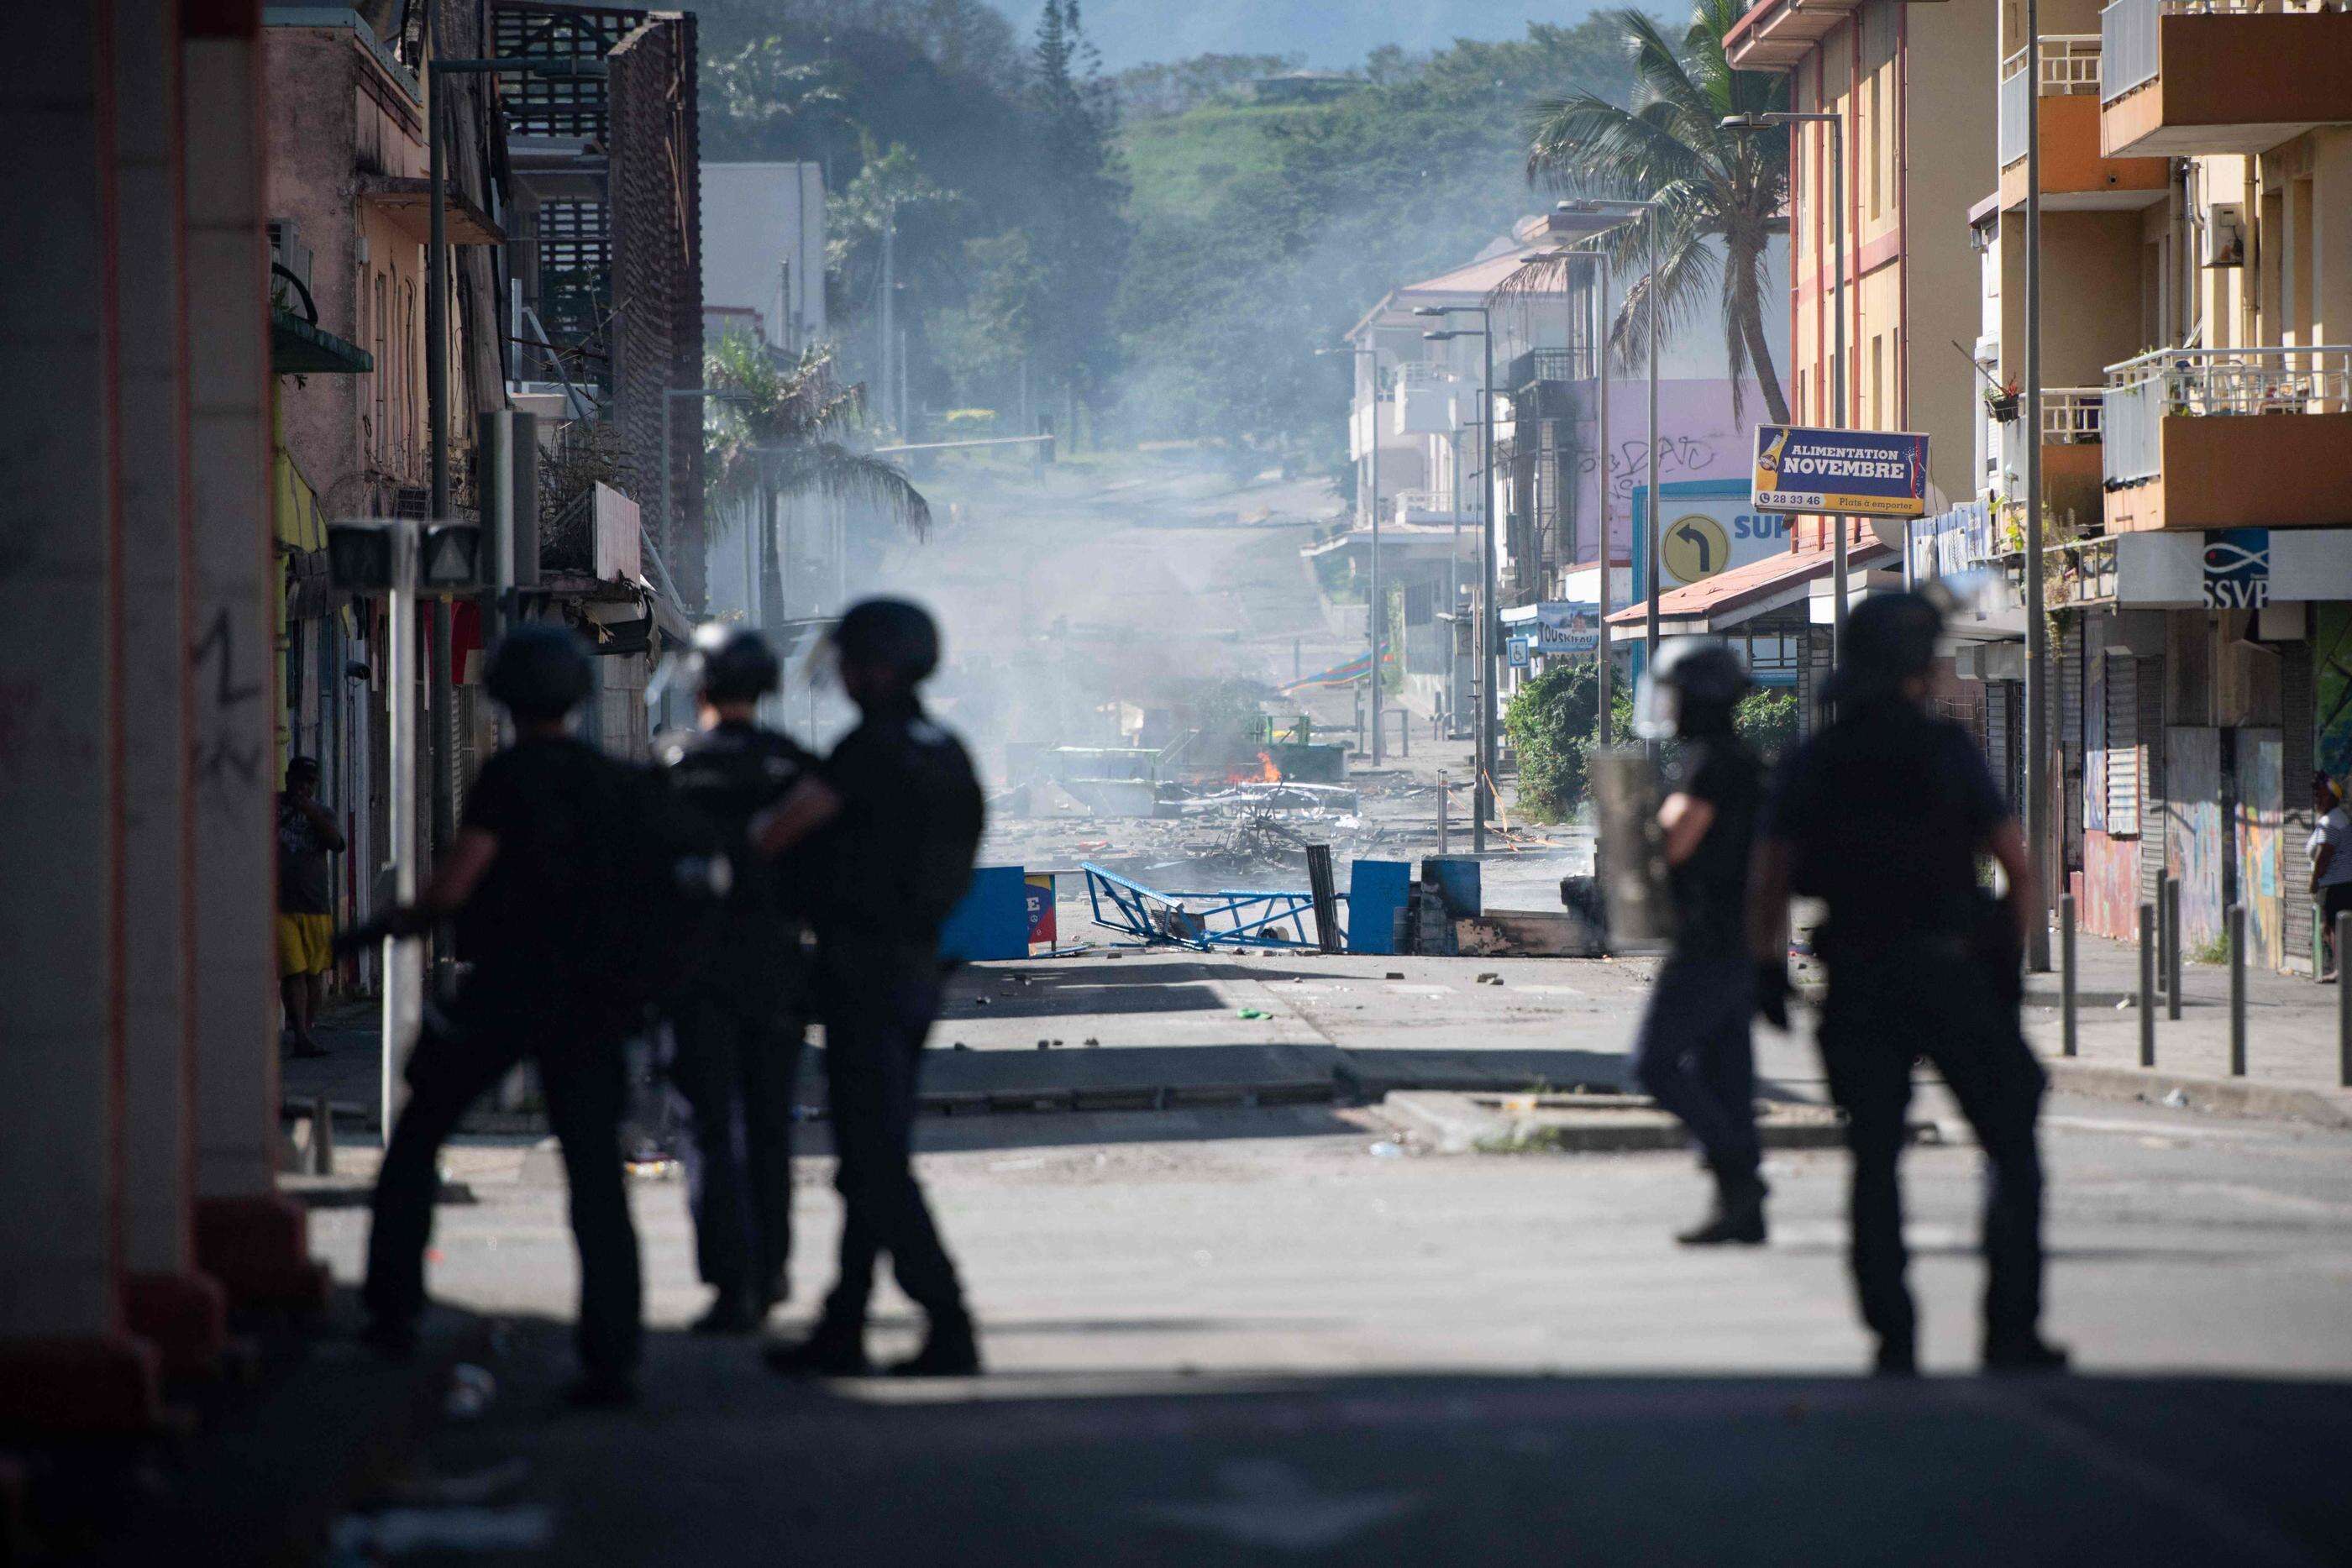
x: 738, y: 1025
x: 530, y: 882
x: 307, y: 837
x: 2331, y: 867
x: 1695, y: 1054
x: 1882, y: 816
x: 893, y: 817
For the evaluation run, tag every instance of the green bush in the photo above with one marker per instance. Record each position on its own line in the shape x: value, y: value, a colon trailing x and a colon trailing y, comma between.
x: 1551, y: 722
x: 1767, y: 720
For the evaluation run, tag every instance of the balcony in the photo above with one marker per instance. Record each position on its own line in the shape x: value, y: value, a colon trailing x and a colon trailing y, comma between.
x: 2073, y: 174
x: 1429, y: 507
x: 1539, y: 365
x: 1430, y: 400
x: 2229, y: 438
x: 1368, y: 419
x: 2187, y: 77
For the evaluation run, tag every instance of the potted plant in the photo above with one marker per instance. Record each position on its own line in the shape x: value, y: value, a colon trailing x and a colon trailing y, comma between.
x: 2001, y: 402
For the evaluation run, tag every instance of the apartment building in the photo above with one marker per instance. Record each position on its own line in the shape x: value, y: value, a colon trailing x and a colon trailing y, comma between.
x: 2196, y: 193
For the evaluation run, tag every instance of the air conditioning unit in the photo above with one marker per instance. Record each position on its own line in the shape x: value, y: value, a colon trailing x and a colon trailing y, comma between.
x: 2225, y: 235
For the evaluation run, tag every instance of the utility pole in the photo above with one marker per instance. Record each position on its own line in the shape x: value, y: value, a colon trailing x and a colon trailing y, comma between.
x: 1378, y: 617
x: 889, y: 291
x: 2037, y: 630
x: 441, y: 763
x: 1657, y: 530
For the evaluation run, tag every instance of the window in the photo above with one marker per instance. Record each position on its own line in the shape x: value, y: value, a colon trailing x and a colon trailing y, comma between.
x: 2122, y: 727
x: 1877, y: 184
x: 379, y: 441
x: 1878, y: 412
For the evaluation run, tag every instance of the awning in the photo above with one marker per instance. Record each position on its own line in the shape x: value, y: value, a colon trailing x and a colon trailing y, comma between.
x: 1744, y: 592
x: 298, y: 349
x: 407, y: 200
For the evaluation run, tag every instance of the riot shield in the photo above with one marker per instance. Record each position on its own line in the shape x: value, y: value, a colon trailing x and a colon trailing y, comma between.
x: 1629, y: 858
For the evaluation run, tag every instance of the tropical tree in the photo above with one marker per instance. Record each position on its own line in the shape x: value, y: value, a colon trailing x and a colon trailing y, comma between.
x: 1723, y: 194
x: 781, y: 426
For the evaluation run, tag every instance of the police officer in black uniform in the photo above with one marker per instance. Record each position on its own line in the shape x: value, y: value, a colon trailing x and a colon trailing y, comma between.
x: 896, y: 817
x: 525, y: 880
x: 737, y: 1025
x: 1883, y: 815
x: 1695, y: 1054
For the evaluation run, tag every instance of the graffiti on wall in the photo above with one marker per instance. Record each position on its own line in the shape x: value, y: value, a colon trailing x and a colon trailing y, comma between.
x: 2192, y: 830
x: 2109, y: 899
x: 2262, y: 814
x: 2331, y: 665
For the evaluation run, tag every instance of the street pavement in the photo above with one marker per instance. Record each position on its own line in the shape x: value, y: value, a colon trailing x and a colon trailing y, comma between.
x: 1234, y: 1332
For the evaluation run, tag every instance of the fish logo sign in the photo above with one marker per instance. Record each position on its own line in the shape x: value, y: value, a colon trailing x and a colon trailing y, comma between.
x: 2237, y: 569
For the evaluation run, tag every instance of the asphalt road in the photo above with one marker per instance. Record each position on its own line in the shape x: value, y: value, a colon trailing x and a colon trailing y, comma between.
x: 1259, y: 1335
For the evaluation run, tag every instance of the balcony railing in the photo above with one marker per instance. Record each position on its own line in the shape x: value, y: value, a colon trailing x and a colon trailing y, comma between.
x: 2200, y: 383
x: 2069, y: 65
x: 2071, y: 416
x: 2131, y: 39
x: 1548, y: 365
x: 1415, y: 374
x: 1422, y: 507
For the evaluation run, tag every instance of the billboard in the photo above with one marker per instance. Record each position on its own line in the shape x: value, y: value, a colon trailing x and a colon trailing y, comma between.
x: 1851, y: 473
x: 1709, y: 527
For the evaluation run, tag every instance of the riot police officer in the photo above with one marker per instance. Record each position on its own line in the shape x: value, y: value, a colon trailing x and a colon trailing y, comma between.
x: 894, y: 816
x: 738, y: 1022
x: 1882, y: 815
x: 528, y: 881
x: 1694, y: 1053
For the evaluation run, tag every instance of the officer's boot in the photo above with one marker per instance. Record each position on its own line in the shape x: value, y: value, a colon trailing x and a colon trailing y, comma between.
x: 834, y: 1348
x: 1737, y: 1219
x: 2029, y: 1354
x: 949, y: 1350
x: 731, y: 1313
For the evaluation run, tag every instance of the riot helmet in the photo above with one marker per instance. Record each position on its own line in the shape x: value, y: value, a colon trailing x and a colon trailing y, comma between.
x: 1689, y: 690
x: 1890, y: 638
x: 539, y: 671
x: 888, y: 633
x: 732, y: 663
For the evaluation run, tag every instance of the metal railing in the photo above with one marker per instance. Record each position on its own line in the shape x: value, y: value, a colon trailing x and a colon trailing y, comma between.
x: 2071, y: 416
x: 1548, y: 365
x: 2069, y: 65
x: 1435, y: 505
x: 1420, y: 373
x: 2212, y: 382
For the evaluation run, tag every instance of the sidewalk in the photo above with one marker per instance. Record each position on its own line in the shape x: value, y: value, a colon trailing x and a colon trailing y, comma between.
x: 2290, y: 1024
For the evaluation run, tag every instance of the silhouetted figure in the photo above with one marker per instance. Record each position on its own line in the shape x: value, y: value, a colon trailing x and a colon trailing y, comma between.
x: 530, y: 880
x: 896, y: 814
x: 307, y: 839
x: 1882, y: 815
x: 738, y: 1025
x: 1695, y: 1054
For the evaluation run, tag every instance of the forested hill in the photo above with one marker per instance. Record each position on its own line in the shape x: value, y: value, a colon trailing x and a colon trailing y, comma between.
x: 1155, y: 254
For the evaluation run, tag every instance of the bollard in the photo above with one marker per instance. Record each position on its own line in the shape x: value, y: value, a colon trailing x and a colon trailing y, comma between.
x: 2068, y: 1042
x: 2236, y: 928
x: 2172, y: 948
x: 323, y: 1136
x: 2343, y: 1003
x: 2148, y: 984
x: 1443, y: 847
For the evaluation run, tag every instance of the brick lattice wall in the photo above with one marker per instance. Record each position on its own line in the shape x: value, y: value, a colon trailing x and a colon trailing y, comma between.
x: 656, y: 227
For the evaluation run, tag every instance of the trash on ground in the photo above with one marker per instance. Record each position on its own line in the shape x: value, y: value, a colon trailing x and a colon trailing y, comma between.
x: 1386, y: 1150
x: 1256, y: 1013
x: 2177, y: 1099
x: 471, y: 1389
x: 404, y: 1531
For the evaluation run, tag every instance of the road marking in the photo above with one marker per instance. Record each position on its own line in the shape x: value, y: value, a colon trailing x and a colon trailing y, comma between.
x: 1268, y: 1503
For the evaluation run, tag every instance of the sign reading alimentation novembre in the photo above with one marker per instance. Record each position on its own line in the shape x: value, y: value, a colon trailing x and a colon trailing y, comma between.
x: 1853, y: 473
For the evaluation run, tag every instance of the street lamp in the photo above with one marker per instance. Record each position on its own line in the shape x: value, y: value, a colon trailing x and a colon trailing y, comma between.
x: 1749, y: 122
x: 1487, y: 622
x: 1377, y: 620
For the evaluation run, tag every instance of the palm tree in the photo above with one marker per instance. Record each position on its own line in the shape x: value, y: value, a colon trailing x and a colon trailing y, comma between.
x: 777, y: 427
x: 1724, y: 194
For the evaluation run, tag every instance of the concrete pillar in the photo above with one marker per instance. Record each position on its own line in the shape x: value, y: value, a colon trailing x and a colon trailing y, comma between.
x: 248, y: 1237
x: 165, y: 1299
x: 65, y: 1357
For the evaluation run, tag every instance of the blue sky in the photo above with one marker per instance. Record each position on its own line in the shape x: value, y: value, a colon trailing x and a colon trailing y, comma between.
x: 1329, y: 33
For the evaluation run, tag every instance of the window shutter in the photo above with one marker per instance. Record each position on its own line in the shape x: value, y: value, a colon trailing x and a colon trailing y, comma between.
x: 2123, y: 747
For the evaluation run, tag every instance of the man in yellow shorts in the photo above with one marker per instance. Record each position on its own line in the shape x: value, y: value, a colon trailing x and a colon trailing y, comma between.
x: 307, y: 836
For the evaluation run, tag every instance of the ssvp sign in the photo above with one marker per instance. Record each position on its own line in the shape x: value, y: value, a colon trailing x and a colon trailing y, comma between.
x: 1853, y: 472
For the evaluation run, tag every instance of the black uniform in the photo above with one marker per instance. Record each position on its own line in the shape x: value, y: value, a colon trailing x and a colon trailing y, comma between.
x: 1884, y: 813
x: 1695, y: 1054
x: 894, y: 861
x: 737, y: 1025
x: 534, y: 930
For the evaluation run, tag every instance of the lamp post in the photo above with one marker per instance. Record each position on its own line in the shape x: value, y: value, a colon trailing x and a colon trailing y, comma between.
x: 1836, y: 126
x: 2037, y: 630
x: 1487, y: 622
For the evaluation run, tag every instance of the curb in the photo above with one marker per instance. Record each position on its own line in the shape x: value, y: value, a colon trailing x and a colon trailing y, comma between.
x: 2223, y: 1096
